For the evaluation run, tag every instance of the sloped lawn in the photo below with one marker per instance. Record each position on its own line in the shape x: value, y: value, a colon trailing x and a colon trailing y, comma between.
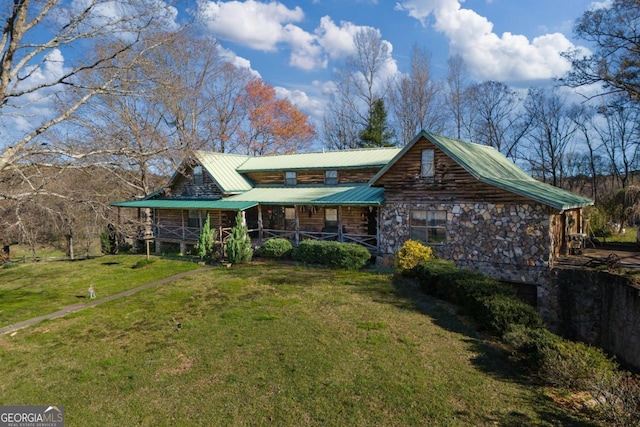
x: 33, y: 289
x: 270, y: 344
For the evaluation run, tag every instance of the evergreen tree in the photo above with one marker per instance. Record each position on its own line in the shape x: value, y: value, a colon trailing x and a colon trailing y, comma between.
x: 239, y: 244
x: 377, y: 132
x: 205, y: 240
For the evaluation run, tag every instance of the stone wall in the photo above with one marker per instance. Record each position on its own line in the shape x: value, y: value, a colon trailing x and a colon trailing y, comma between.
x: 509, y: 242
x: 599, y: 308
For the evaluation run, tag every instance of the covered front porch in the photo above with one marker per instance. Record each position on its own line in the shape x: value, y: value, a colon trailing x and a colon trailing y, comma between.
x: 344, y: 214
x: 355, y: 224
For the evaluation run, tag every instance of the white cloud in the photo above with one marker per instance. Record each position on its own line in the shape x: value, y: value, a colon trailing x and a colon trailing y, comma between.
x: 337, y: 41
x: 506, y: 57
x: 240, y: 62
x: 306, y: 54
x: 120, y: 19
x: 312, y: 107
x: 605, y: 4
x: 258, y: 25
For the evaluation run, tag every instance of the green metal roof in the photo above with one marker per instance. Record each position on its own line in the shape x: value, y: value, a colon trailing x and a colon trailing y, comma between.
x: 222, y: 168
x: 325, y: 195
x: 186, y: 204
x: 344, y: 159
x: 489, y: 165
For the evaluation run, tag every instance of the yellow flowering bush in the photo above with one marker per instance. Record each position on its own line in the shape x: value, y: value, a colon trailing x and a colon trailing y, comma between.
x: 412, y: 254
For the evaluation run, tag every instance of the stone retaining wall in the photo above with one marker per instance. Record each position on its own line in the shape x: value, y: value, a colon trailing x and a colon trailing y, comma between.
x: 509, y: 242
x: 599, y: 308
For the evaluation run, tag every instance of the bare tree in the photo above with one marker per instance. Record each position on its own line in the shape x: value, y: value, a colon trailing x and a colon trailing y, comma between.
x: 497, y: 123
x: 359, y: 83
x: 584, y: 120
x: 619, y: 137
x: 550, y: 135
x: 416, y: 99
x: 455, y: 98
x: 341, y: 125
x: 228, y: 113
x: 33, y: 67
x: 613, y: 32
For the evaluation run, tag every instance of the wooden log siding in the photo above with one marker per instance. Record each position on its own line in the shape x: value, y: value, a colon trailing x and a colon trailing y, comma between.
x: 183, y: 187
x: 403, y: 183
x: 310, y: 223
x: 173, y: 224
x: 306, y: 177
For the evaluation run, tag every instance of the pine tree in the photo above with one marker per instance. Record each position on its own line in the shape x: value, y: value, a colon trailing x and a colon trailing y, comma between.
x: 205, y: 240
x: 377, y: 132
x: 239, y: 244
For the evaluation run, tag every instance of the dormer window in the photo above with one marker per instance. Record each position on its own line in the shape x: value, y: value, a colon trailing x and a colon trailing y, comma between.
x: 290, y: 178
x: 331, y: 177
x: 197, y: 175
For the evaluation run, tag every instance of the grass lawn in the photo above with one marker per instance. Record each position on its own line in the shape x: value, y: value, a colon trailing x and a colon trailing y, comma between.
x: 30, y: 290
x: 629, y: 236
x: 270, y: 344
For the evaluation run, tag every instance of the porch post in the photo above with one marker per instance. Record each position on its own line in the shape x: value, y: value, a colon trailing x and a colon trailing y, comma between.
x: 340, y: 237
x: 259, y: 224
x: 378, y: 224
x: 295, y: 208
x: 182, y: 218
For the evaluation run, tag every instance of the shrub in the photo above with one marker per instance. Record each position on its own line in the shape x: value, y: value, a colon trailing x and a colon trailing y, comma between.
x: 412, y: 254
x: 9, y: 264
x: 205, y: 240
x: 444, y: 280
x: 349, y: 256
x: 275, y: 248
x: 113, y: 242
x: 531, y: 346
x: 499, y: 313
x: 431, y: 273
x: 575, y: 366
x: 239, y: 244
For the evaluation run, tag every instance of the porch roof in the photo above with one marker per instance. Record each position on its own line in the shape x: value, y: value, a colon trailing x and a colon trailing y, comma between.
x: 362, y: 195
x: 186, y: 204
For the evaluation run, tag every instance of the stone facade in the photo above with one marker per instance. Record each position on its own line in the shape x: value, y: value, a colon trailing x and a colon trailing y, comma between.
x: 509, y: 242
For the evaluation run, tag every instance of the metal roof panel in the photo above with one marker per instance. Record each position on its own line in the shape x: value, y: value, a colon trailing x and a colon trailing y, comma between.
x: 314, y: 195
x: 344, y: 159
x: 185, y: 204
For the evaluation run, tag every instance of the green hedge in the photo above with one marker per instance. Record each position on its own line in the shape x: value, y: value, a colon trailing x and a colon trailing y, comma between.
x: 349, y: 256
x: 466, y: 288
x: 553, y: 360
x: 275, y: 248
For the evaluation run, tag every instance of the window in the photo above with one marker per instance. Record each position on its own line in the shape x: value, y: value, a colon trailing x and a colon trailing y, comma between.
x: 331, y: 216
x: 289, y: 213
x: 197, y: 175
x: 331, y: 177
x: 427, y: 167
x: 196, y: 218
x: 429, y: 226
x: 289, y: 178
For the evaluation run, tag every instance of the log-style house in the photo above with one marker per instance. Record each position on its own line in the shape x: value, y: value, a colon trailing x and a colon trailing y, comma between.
x: 466, y: 200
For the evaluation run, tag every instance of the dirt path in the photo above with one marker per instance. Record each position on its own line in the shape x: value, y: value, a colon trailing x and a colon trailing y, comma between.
x: 92, y: 303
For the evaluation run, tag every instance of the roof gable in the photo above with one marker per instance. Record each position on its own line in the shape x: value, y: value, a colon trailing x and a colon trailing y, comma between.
x: 488, y: 165
x: 223, y: 169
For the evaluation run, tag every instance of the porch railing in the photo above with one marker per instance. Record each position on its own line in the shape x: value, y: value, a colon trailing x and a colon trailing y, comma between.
x: 191, y: 234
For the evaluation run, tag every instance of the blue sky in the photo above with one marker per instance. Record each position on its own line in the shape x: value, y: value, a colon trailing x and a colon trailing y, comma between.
x: 295, y: 45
